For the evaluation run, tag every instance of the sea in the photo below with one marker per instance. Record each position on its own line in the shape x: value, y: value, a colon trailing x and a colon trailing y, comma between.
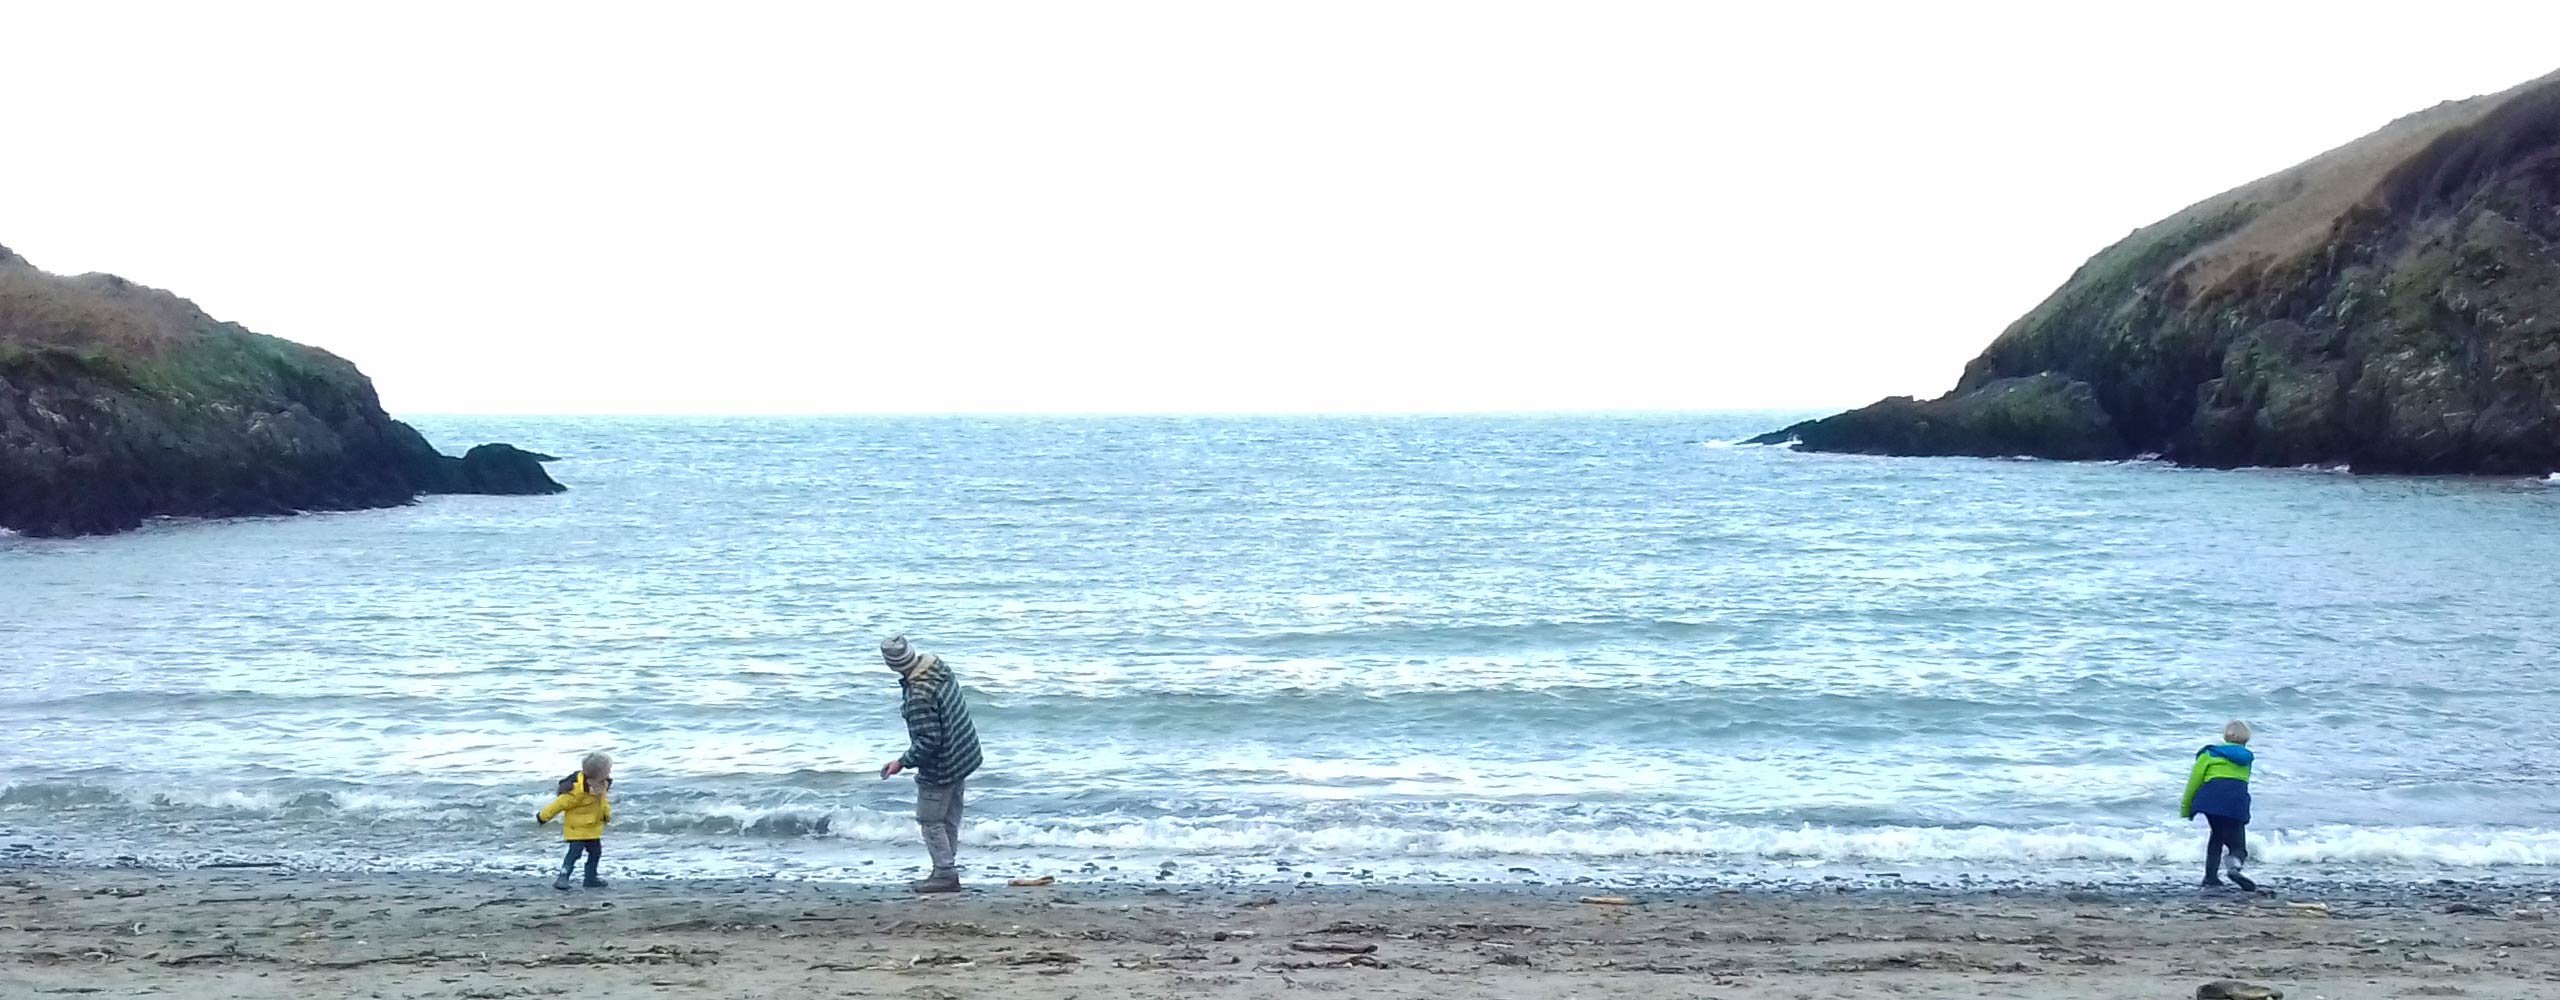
x: 1329, y: 650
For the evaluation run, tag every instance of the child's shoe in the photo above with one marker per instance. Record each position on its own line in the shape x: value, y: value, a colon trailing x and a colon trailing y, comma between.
x: 2241, y: 880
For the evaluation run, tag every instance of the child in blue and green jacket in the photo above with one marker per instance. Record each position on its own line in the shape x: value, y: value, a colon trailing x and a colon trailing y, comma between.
x: 2218, y: 788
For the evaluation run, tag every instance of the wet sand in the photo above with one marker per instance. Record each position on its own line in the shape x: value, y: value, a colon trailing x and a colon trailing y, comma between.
x: 215, y: 934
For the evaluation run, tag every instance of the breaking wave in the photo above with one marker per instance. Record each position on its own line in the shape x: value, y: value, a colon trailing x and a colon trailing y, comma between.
x: 1460, y: 832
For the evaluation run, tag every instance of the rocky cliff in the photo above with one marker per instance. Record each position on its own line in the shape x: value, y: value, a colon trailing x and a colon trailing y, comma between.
x: 2392, y: 305
x: 120, y: 402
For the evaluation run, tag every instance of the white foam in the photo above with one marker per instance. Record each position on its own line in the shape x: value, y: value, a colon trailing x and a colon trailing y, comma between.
x: 1994, y: 846
x: 248, y: 801
x: 351, y: 802
x: 1250, y: 838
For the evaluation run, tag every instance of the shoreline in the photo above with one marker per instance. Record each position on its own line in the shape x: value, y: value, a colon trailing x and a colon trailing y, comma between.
x: 896, y: 865
x: 230, y: 933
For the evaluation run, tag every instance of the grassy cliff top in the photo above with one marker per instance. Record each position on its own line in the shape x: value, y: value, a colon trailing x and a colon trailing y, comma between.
x: 146, y: 337
x: 2294, y: 212
x: 2223, y: 247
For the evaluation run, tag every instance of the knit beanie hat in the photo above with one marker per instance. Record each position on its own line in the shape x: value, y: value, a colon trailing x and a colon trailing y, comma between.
x: 897, y: 652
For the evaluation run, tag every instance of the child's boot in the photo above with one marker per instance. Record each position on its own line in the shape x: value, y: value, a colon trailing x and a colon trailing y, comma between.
x: 2239, y: 879
x: 562, y: 882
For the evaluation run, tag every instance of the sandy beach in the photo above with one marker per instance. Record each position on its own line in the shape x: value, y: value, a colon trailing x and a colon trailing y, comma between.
x: 213, y: 934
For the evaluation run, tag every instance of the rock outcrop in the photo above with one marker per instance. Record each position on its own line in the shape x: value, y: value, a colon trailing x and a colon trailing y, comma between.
x: 498, y: 468
x: 2392, y: 305
x: 120, y: 403
x: 2043, y: 415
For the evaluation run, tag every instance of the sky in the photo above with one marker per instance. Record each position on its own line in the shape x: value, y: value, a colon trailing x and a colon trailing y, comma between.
x: 1169, y: 207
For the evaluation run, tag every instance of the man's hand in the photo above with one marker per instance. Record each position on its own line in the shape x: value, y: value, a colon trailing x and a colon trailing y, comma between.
x: 891, y: 769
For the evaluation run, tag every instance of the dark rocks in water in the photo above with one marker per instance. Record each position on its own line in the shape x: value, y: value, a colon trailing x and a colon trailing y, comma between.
x: 2392, y: 305
x: 2046, y: 416
x: 120, y: 403
x: 498, y: 469
x: 507, y: 469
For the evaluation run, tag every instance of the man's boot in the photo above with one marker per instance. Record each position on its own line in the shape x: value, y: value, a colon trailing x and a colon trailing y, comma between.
x: 940, y: 881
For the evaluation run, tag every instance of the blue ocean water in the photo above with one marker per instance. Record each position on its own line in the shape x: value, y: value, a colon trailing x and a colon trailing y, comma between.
x: 1420, y: 648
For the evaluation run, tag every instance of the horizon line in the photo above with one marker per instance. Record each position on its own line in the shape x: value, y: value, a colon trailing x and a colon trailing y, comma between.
x: 1106, y: 414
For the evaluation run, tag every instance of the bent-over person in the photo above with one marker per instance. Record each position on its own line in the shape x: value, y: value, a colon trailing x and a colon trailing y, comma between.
x: 942, y: 749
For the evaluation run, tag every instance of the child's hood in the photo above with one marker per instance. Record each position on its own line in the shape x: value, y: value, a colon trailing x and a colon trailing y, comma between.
x: 2232, y: 752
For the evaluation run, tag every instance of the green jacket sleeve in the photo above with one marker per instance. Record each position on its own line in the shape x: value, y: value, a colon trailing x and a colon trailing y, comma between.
x: 2195, y: 780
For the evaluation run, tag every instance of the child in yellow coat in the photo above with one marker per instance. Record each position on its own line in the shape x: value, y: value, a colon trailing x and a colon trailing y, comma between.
x: 584, y: 810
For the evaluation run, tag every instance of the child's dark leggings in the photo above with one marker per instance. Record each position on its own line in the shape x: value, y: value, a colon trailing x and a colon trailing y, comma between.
x: 593, y: 849
x: 2228, y: 834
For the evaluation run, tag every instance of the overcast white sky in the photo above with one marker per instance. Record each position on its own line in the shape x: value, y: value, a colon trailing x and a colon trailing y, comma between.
x: 1194, y: 206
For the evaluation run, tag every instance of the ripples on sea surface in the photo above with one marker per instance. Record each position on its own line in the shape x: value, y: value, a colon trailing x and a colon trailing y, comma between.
x: 1424, y: 648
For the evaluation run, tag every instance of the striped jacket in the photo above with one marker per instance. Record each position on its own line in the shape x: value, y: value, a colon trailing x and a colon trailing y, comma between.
x: 942, y: 742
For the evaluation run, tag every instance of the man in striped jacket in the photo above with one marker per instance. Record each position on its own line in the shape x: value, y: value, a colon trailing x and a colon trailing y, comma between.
x: 942, y: 748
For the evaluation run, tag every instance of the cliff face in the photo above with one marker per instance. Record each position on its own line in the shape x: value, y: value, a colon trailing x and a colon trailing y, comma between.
x: 2392, y: 305
x: 119, y: 403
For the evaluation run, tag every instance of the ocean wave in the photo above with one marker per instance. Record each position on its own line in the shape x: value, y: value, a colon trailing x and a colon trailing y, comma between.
x: 1999, y: 848
x: 749, y: 821
x: 104, y: 703
x: 1441, y: 638
x: 1633, y: 709
x: 2003, y: 847
x: 1458, y: 832
x: 40, y: 796
x: 491, y: 807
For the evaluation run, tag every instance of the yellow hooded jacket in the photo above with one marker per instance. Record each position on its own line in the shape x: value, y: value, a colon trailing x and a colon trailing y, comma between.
x: 584, y: 815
